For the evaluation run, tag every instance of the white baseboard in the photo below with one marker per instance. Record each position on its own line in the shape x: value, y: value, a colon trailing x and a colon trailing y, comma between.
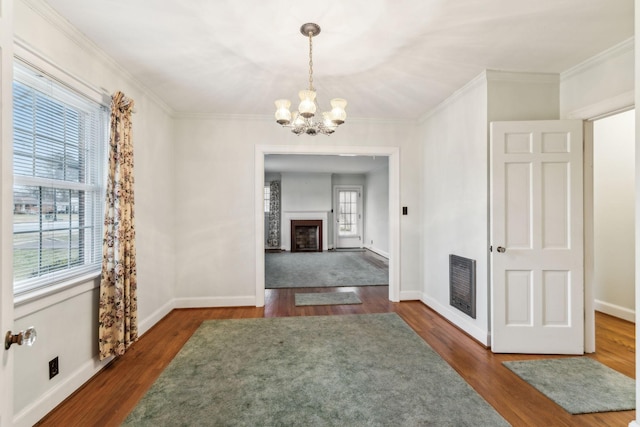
x: 155, y: 317
x: 615, y: 310
x: 634, y: 423
x: 410, y: 295
x: 200, y: 302
x: 36, y: 410
x: 378, y: 251
x: 457, y: 319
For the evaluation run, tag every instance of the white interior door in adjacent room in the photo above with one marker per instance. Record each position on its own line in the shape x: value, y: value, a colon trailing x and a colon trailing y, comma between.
x: 348, y: 216
x: 537, y: 258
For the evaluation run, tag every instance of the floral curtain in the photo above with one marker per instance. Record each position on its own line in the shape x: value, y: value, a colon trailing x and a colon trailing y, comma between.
x: 273, y: 238
x: 118, y: 311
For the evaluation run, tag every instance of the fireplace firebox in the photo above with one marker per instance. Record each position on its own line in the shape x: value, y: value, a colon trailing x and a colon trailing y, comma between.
x: 306, y: 235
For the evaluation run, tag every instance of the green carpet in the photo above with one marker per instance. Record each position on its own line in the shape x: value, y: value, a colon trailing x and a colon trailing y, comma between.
x: 579, y: 384
x: 319, y: 269
x: 327, y: 298
x: 349, y: 370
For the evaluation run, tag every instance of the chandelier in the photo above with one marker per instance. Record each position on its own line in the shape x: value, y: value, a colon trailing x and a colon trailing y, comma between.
x: 303, y: 120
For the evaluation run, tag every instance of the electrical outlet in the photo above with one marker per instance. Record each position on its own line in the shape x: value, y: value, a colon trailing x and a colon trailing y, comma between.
x: 53, y: 367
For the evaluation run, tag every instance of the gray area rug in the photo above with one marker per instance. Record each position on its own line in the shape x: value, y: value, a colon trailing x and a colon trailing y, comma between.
x: 327, y: 298
x: 580, y: 385
x: 349, y: 370
x: 318, y: 269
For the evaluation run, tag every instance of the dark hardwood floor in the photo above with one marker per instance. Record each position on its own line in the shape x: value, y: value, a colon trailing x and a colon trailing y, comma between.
x: 107, y: 398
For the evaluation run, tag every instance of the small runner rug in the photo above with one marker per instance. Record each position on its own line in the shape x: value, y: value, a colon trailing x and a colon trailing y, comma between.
x: 327, y: 298
x: 580, y: 385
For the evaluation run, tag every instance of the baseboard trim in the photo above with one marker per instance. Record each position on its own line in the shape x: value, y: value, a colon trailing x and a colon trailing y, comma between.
x: 410, y: 295
x: 35, y: 411
x: 458, y: 320
x: 615, y: 311
x: 202, y: 302
x: 378, y: 251
x: 155, y: 317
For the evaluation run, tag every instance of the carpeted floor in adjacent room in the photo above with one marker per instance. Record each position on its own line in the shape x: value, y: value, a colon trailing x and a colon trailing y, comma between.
x: 320, y: 269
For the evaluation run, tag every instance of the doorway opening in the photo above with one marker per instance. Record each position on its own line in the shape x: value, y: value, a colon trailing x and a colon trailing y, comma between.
x: 613, y: 261
x: 393, y: 203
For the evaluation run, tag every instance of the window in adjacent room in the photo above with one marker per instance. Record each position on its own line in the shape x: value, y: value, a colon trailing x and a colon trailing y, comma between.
x: 267, y: 198
x: 58, y: 191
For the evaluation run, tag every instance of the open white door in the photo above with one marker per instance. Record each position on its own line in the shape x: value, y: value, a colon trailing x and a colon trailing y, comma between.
x: 348, y: 208
x: 537, y: 256
x: 6, y: 209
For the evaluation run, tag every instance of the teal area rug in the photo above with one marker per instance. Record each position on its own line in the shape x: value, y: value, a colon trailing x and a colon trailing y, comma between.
x: 327, y: 298
x: 579, y: 384
x: 348, y: 370
x: 319, y: 269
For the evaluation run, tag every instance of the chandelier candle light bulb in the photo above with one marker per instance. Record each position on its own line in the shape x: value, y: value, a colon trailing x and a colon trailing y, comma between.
x: 301, y: 121
x: 283, y: 115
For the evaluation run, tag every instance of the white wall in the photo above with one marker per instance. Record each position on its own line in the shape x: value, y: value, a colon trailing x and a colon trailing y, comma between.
x: 306, y: 192
x: 67, y: 322
x: 215, y: 244
x: 376, y: 201
x: 614, y: 212
x: 455, y: 216
x: 522, y: 96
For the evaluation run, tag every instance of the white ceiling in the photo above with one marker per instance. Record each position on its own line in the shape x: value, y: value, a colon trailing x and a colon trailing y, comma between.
x: 388, y: 58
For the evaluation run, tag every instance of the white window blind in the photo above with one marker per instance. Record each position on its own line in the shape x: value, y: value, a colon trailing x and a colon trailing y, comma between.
x: 58, y: 161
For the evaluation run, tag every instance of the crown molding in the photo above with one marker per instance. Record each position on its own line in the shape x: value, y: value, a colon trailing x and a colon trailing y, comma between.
x: 622, y: 48
x: 522, y: 77
x: 269, y: 118
x: 472, y: 84
x: 45, y: 11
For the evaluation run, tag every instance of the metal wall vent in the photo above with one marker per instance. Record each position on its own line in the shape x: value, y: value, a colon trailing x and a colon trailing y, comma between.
x: 462, y: 284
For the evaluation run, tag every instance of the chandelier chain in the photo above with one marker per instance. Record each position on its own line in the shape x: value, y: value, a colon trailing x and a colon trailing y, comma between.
x: 310, y: 61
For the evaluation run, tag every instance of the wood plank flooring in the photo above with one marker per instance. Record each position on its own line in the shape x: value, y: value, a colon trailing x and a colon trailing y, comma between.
x: 107, y: 398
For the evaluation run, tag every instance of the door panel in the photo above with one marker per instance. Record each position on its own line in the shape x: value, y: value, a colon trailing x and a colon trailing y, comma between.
x: 536, y: 221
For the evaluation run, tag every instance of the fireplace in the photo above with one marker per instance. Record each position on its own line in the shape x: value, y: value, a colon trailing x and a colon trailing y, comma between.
x: 306, y: 235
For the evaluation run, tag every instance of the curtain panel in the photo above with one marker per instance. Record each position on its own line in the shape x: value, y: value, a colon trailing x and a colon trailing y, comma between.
x: 273, y: 238
x: 118, y: 309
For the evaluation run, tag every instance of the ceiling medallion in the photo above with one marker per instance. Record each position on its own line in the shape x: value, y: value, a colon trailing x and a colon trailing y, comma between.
x: 302, y: 121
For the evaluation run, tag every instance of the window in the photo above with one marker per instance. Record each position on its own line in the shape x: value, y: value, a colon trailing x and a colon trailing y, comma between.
x: 59, y: 143
x: 267, y: 198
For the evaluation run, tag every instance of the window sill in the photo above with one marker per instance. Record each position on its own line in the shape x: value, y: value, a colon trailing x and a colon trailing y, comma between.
x: 40, y: 299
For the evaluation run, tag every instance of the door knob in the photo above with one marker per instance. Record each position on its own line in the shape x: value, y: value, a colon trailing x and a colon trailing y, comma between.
x: 501, y: 249
x: 28, y: 337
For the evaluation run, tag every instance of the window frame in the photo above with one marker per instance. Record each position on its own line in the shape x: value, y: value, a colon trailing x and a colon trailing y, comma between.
x: 61, y: 279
